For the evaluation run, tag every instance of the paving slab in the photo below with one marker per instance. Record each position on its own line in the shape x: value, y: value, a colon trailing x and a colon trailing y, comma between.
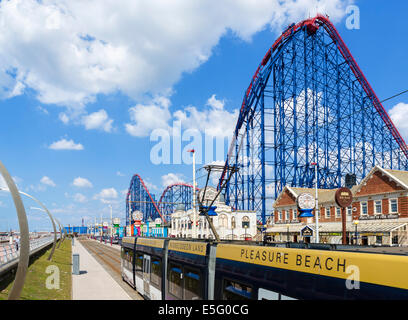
x: 94, y: 282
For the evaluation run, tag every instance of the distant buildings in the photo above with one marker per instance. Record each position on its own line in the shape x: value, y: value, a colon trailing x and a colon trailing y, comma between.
x: 378, y: 214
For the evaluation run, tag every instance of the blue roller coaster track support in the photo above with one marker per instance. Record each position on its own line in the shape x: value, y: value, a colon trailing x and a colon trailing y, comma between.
x: 308, y: 101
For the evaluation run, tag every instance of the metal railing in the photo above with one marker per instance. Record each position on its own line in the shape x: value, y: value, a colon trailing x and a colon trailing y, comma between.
x: 9, y: 252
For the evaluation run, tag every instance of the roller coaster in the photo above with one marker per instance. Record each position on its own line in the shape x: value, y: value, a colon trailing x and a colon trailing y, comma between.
x: 308, y: 102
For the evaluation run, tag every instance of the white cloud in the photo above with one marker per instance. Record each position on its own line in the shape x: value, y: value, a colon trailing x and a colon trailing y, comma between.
x: 120, y: 174
x: 213, y: 120
x: 138, y: 47
x: 63, y: 117
x: 79, y: 197
x: 47, y: 181
x: 42, y: 110
x: 82, y: 183
x: 146, y: 118
x: 171, y: 178
x: 106, y: 195
x: 399, y: 115
x: 98, y: 120
x: 109, y: 193
x: 64, y: 144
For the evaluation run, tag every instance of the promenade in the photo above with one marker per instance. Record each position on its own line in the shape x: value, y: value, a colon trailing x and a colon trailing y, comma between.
x: 93, y: 282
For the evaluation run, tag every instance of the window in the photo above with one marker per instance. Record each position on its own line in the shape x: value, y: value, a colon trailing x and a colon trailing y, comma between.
x: 378, y: 207
x: 223, y: 221
x: 338, y: 212
x: 245, y: 222
x: 175, y: 280
x: 294, y: 214
x: 364, y: 210
x: 349, y: 211
x: 139, y: 262
x: 279, y: 215
x: 233, y: 225
x: 192, y: 284
x: 393, y: 206
x: 236, y: 291
x: 127, y: 258
x: 287, y: 215
x: 156, y: 271
x: 378, y: 240
x: 327, y: 212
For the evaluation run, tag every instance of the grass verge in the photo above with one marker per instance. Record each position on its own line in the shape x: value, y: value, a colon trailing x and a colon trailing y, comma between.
x: 35, y: 283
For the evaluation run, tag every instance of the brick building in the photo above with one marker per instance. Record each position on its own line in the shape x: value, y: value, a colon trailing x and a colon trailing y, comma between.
x: 379, y: 212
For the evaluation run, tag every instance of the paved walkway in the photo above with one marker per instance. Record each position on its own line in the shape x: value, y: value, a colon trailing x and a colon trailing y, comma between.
x: 94, y: 282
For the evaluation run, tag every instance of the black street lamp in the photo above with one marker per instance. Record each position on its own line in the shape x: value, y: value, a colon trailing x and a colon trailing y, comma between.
x: 287, y: 226
x: 355, y: 231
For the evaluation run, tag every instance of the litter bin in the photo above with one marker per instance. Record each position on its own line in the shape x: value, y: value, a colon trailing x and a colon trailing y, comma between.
x: 75, y: 263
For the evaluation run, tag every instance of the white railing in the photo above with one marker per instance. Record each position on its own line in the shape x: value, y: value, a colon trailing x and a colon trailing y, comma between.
x: 9, y: 252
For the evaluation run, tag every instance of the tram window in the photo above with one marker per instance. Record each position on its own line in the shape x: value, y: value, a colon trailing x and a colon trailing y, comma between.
x: 139, y: 262
x: 156, y: 271
x: 236, y: 291
x: 174, y: 277
x: 192, y: 287
x: 130, y: 257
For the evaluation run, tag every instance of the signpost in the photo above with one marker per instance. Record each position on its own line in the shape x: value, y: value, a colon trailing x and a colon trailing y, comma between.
x: 344, y: 198
x: 306, y: 232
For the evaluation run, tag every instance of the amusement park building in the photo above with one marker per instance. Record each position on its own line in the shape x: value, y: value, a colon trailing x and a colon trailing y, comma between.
x: 378, y: 214
x: 229, y: 224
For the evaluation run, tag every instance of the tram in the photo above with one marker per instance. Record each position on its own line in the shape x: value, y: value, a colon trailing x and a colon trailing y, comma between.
x: 180, y: 269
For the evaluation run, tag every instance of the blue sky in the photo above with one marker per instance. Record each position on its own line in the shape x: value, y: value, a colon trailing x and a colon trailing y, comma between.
x: 85, y: 83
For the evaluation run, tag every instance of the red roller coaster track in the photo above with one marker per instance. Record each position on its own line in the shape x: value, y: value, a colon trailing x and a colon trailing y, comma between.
x: 312, y: 25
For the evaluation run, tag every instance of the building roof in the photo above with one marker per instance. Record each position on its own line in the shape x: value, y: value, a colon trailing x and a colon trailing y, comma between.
x: 400, y: 175
x: 324, y: 195
x: 327, y: 195
x: 363, y: 226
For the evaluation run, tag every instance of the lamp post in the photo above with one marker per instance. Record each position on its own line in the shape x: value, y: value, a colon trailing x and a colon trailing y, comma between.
x: 24, y: 236
x: 355, y: 230
x: 194, y: 197
x: 263, y: 232
x: 53, y: 226
x: 111, y: 224
x: 47, y: 212
x: 287, y: 226
x: 316, y: 200
x: 62, y: 236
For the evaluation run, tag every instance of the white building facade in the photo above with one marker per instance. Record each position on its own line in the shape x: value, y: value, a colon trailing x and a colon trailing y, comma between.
x: 229, y: 224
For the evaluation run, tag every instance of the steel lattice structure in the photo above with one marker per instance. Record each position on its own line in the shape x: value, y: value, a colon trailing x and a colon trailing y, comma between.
x: 174, y: 194
x: 307, y: 102
x: 140, y: 199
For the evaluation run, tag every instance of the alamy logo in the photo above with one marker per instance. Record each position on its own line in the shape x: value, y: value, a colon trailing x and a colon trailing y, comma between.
x: 53, y: 281
x: 353, y: 19
x: 353, y: 280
